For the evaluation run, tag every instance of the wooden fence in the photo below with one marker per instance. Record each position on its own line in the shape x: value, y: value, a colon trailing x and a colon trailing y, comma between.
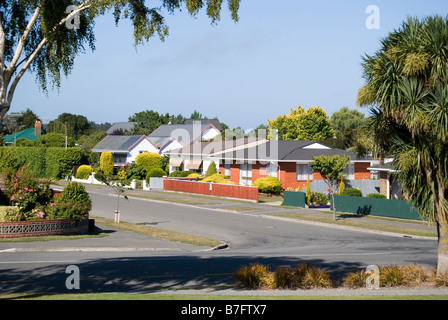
x: 212, y: 189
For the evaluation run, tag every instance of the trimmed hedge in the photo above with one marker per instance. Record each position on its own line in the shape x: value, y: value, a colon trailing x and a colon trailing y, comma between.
x: 269, y: 185
x: 84, y: 172
x: 43, y: 162
x: 149, y: 160
x: 107, y: 163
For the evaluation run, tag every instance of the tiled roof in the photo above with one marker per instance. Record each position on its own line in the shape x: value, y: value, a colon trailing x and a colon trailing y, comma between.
x: 117, y: 143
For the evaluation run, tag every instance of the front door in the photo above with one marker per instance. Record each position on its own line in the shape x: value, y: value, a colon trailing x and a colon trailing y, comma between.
x: 245, y: 174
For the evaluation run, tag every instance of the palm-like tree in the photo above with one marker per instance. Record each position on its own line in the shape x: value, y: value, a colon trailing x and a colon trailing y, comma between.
x: 407, y: 91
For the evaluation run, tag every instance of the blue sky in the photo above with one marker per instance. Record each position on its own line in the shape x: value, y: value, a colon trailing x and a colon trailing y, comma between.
x: 281, y: 54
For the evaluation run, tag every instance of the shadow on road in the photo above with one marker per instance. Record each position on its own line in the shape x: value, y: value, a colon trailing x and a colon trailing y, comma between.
x: 140, y: 274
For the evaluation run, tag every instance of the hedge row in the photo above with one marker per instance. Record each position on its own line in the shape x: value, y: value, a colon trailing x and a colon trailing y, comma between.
x: 43, y: 162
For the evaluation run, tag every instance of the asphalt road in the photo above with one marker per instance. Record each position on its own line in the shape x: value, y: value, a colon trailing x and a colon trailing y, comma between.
x: 251, y: 237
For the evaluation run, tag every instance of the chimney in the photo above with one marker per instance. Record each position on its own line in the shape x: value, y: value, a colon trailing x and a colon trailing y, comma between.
x: 37, y: 128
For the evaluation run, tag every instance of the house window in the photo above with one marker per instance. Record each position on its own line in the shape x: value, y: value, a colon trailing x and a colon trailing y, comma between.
x: 304, y: 171
x: 119, y: 158
x: 271, y: 170
x: 349, y: 171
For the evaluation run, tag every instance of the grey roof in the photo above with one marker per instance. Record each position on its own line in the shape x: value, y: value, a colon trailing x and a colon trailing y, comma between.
x: 283, y: 150
x: 214, y: 147
x: 214, y: 122
x: 126, y: 126
x: 117, y: 144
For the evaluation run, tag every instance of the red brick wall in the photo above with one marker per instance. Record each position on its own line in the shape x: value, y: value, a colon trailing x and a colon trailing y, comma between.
x: 75, y: 229
x: 288, y: 174
x: 361, y: 171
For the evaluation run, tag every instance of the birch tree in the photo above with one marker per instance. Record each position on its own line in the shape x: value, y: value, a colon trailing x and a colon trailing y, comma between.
x: 45, y: 36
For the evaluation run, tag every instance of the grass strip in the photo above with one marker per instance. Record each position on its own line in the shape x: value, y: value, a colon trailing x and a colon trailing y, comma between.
x: 359, y: 224
x: 165, y: 296
x: 193, y: 202
x: 158, y: 233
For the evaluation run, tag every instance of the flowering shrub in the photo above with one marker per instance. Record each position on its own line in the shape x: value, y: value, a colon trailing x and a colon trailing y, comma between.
x: 24, y: 199
x: 67, y: 210
x: 318, y: 199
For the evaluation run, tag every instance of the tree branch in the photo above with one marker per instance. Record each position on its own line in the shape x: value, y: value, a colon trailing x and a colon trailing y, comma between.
x: 38, y: 49
x: 22, y: 40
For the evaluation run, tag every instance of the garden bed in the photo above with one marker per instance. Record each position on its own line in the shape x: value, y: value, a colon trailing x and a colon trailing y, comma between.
x: 34, y: 228
x: 318, y: 206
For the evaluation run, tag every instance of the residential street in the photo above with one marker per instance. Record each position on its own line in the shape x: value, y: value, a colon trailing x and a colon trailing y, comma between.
x: 126, y: 262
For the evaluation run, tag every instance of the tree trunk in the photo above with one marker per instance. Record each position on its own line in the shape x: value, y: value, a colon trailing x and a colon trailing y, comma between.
x: 442, y: 257
x: 442, y: 225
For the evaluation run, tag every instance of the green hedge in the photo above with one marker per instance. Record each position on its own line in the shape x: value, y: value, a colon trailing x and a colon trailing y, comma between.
x: 43, y: 162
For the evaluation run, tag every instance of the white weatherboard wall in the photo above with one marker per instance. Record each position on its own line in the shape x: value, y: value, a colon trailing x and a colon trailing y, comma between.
x: 143, y: 146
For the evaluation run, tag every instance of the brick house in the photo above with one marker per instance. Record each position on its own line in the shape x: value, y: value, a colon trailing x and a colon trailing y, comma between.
x: 286, y: 160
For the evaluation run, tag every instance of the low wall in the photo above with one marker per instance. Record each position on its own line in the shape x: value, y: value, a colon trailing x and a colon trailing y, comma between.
x: 294, y: 199
x: 36, y: 228
x: 376, y: 207
x: 212, y: 189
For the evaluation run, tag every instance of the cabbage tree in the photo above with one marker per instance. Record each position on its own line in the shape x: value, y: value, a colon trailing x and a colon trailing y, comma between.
x: 406, y: 89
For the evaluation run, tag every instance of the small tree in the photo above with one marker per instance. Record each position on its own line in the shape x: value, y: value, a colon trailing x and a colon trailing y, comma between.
x: 330, y: 168
x: 211, y: 170
x: 107, y: 163
x: 119, y: 186
x: 308, y: 192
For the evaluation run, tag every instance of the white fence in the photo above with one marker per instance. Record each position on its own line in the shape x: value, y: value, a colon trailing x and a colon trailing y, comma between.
x: 154, y: 183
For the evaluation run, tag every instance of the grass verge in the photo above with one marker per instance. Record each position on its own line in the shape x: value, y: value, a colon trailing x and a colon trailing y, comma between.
x: 359, y: 223
x: 203, y: 297
x: 158, y: 233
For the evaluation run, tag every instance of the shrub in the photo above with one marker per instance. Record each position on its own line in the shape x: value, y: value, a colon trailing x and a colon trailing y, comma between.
x: 353, y: 192
x: 84, y: 172
x: 304, y: 276
x: 134, y: 171
x: 315, y: 278
x: 407, y: 275
x: 376, y: 196
x: 341, y: 188
x: 217, y: 178
x: 308, y: 192
x: 155, y: 173
x: 107, y: 163
x: 194, y: 175
x: 211, y: 170
x: 74, y: 192
x: 180, y: 174
x: 255, y: 276
x: 24, y: 199
x: 149, y: 160
x: 318, y: 199
x: 68, y: 210
x: 269, y: 185
x: 9, y: 214
x: 73, y: 203
x: 355, y: 279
